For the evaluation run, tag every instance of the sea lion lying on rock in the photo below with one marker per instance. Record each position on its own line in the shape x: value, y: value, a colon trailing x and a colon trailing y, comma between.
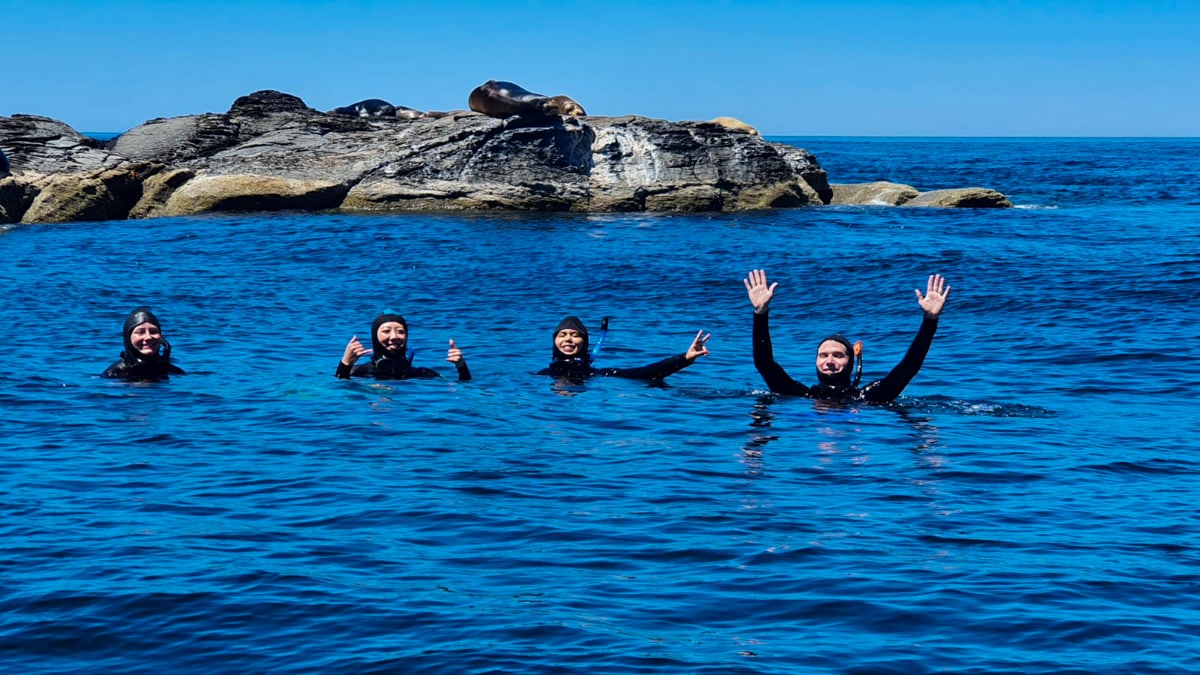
x: 406, y: 113
x: 505, y: 99
x: 372, y: 107
x: 439, y: 114
x: 734, y: 124
x: 565, y: 105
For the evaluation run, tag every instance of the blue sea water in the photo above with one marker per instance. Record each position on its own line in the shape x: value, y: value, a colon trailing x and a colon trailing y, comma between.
x: 1029, y: 505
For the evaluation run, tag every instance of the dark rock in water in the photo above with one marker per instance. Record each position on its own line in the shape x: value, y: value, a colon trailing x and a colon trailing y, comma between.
x: 270, y: 151
x: 803, y: 164
x: 15, y: 198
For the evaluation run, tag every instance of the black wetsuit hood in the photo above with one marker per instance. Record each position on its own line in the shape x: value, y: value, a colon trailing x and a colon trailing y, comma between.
x: 136, y: 318
x: 843, y: 380
x: 571, y: 323
x: 388, y: 364
x: 133, y: 365
x: 578, y: 365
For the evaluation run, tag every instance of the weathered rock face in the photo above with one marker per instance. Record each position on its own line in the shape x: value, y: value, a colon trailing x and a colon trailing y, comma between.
x: 883, y: 193
x: 42, y: 145
x: 974, y: 197
x: 270, y: 151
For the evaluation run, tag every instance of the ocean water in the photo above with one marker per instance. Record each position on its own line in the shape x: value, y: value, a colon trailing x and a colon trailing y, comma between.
x: 1029, y: 505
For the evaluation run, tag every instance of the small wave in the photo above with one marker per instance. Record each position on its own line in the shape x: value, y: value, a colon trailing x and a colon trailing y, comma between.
x: 984, y: 408
x: 1036, y: 207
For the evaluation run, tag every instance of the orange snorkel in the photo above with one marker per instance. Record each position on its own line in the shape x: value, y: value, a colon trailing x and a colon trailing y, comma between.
x: 857, y: 362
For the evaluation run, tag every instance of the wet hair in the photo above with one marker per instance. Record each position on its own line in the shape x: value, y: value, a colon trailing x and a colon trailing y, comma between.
x: 571, y: 323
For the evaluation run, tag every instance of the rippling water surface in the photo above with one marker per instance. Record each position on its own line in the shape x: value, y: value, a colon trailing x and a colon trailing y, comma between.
x: 1030, y: 504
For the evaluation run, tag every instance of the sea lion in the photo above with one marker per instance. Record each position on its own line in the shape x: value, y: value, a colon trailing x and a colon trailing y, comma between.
x: 505, y: 99
x: 439, y: 114
x: 565, y: 105
x: 406, y: 113
x: 734, y: 124
x: 372, y: 107
x: 5, y: 168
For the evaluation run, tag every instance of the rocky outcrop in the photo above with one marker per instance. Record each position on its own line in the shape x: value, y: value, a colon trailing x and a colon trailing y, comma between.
x: 879, y: 193
x: 973, y: 198
x: 270, y: 151
x: 883, y: 193
x: 61, y: 175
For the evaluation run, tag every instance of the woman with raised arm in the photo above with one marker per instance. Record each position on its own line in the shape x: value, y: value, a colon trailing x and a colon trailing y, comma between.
x: 390, y: 358
x: 836, y: 356
x: 572, y: 356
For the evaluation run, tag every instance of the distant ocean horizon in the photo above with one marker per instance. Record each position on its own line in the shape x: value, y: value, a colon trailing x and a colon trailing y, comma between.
x: 1030, y: 504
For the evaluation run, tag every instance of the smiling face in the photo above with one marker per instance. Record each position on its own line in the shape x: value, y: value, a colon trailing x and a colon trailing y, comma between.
x: 392, y: 336
x: 570, y: 342
x: 832, y: 357
x: 145, y: 338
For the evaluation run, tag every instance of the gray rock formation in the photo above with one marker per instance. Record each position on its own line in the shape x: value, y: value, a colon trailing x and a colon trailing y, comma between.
x: 44, y: 146
x: 270, y: 151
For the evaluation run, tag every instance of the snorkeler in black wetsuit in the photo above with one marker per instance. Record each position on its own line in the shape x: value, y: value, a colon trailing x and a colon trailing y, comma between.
x: 142, y: 359
x: 835, y: 355
x: 573, y: 360
x: 390, y: 360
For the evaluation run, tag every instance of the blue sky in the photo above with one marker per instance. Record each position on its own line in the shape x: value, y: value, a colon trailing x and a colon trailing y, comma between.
x: 842, y: 68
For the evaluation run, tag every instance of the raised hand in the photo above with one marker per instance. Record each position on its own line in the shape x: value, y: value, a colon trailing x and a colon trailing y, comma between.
x: 698, y: 347
x: 760, y: 293
x: 354, y: 351
x: 454, y: 355
x: 935, y: 296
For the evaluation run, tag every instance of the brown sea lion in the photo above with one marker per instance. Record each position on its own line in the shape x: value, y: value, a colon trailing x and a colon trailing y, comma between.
x: 505, y: 99
x: 565, y: 105
x: 734, y: 124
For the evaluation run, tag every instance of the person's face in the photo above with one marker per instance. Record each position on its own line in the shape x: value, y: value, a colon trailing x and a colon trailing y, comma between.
x: 832, y: 357
x: 393, y: 336
x: 569, y: 341
x: 145, y: 338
